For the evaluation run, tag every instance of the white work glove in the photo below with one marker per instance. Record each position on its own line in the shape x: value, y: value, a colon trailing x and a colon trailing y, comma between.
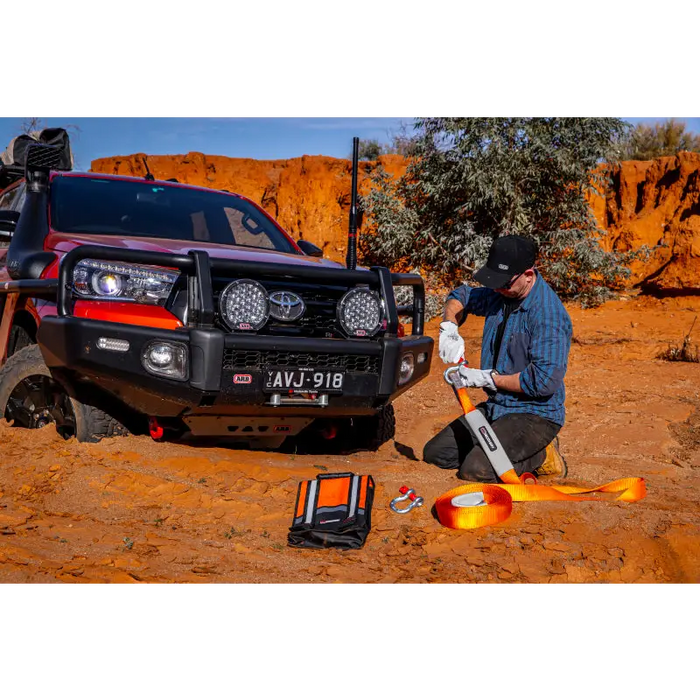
x: 451, y: 343
x: 477, y: 378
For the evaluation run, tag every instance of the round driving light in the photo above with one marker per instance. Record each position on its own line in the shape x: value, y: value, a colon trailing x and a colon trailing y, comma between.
x: 244, y: 305
x: 107, y: 284
x: 406, y: 368
x: 360, y: 312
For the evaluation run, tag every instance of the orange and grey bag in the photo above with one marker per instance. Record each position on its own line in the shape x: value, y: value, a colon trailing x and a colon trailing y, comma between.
x: 333, y: 510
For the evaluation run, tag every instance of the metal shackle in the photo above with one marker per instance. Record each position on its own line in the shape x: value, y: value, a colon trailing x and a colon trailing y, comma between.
x: 452, y: 377
x: 408, y: 495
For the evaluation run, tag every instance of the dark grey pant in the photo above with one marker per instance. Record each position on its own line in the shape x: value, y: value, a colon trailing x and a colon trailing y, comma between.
x: 524, y: 437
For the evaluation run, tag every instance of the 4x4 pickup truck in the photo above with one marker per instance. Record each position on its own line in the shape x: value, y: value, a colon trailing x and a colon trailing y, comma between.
x: 137, y: 304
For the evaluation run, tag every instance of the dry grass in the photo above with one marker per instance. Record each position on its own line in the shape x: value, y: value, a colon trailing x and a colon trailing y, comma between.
x: 682, y: 353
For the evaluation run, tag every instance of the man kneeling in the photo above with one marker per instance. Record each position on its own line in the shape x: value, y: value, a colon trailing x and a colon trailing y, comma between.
x: 524, y: 355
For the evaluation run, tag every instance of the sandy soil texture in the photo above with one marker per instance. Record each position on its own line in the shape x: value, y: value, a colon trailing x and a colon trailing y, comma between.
x: 130, y: 510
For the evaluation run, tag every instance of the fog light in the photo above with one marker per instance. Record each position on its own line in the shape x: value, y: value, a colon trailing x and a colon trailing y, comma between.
x: 422, y: 357
x: 166, y: 359
x: 406, y: 368
x: 114, y: 344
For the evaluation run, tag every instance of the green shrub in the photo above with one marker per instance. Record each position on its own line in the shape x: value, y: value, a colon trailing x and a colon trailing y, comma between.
x: 474, y: 179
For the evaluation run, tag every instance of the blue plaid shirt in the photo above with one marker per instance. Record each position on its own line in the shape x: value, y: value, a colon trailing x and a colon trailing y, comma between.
x: 535, y: 343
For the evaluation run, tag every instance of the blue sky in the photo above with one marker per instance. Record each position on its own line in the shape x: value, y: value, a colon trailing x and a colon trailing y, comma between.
x: 269, y: 138
x: 260, y: 138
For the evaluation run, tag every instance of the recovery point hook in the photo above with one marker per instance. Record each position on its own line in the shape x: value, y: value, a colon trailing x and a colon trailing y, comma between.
x: 408, y: 494
x: 155, y: 429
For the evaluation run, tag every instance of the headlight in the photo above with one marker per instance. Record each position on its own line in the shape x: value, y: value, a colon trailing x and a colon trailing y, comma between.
x: 245, y: 305
x: 361, y: 312
x: 99, y: 279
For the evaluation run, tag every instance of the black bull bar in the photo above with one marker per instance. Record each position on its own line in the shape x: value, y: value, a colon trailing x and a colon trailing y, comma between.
x: 199, y: 268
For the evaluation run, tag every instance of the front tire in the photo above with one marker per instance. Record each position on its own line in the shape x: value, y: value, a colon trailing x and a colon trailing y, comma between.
x: 31, y: 398
x: 371, y: 432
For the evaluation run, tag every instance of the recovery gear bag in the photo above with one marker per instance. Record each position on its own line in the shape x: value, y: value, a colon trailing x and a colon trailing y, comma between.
x: 333, y: 510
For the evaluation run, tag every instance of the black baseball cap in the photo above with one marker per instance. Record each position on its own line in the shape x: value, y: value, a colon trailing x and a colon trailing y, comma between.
x: 509, y: 256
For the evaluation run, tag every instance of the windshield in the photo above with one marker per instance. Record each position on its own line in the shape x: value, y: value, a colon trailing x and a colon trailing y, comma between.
x: 153, y: 210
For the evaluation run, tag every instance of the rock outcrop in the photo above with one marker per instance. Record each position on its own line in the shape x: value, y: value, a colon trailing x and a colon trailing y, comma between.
x: 654, y: 203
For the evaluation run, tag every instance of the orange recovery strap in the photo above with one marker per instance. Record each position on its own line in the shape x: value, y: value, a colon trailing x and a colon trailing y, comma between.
x: 476, y: 505
x: 484, y: 436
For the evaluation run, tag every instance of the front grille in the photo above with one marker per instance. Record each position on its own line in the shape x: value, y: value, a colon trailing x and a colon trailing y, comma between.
x: 253, y: 359
x: 318, y: 322
x: 319, y: 319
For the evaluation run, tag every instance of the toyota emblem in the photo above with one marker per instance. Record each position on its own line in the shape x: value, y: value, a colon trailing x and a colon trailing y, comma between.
x: 286, y: 306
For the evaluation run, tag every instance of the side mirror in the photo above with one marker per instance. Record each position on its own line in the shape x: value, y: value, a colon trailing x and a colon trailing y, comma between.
x: 8, y: 223
x: 310, y: 249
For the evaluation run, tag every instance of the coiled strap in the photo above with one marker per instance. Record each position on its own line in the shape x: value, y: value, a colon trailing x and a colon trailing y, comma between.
x: 475, y: 505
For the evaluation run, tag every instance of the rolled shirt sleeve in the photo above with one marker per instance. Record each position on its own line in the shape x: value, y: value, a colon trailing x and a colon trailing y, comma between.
x: 475, y: 300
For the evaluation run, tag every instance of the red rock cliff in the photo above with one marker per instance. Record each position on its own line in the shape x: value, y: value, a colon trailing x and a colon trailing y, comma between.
x: 656, y: 203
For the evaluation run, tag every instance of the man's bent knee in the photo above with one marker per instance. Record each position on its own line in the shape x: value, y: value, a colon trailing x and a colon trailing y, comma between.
x: 476, y: 467
x: 441, y: 453
x: 432, y: 454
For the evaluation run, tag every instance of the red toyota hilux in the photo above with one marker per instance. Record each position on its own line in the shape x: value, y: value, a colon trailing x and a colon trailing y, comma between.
x: 133, y: 304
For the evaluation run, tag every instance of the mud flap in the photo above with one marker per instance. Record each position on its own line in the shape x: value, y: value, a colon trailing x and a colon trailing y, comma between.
x: 333, y: 510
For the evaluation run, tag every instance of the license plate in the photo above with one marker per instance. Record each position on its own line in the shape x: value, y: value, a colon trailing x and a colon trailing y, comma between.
x: 326, y: 381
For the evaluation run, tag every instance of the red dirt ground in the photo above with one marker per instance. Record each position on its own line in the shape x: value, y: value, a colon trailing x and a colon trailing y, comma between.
x: 129, y: 509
